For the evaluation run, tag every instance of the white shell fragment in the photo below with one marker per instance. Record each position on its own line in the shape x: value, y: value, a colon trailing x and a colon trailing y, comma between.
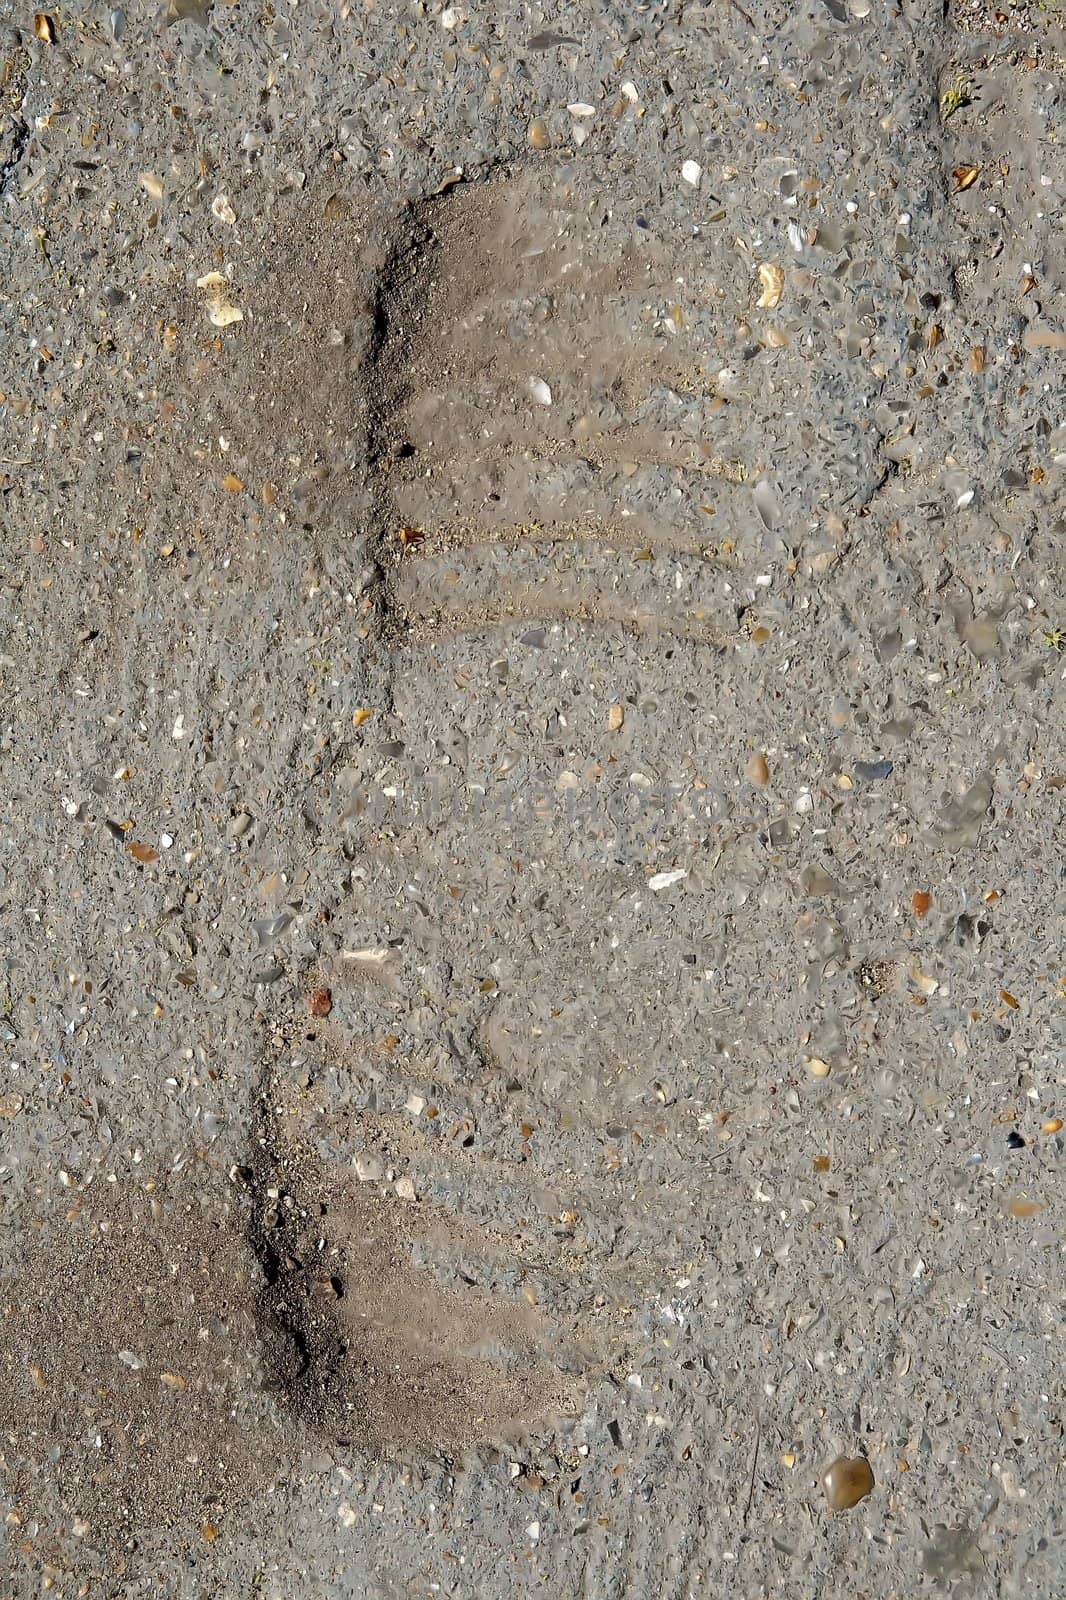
x: 222, y: 315
x: 692, y: 172
x: 923, y: 982
x: 773, y: 284
x: 376, y: 957
x: 378, y: 962
x: 222, y: 209
x: 540, y: 391
x: 581, y: 108
x: 666, y: 880
x: 219, y: 311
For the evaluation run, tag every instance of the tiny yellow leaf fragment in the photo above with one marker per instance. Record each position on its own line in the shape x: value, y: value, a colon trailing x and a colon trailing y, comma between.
x: 232, y: 484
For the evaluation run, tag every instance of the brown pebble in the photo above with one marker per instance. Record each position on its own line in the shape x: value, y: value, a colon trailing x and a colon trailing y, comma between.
x: 757, y: 771
x: 320, y: 1003
x: 539, y: 136
x: 847, y: 1481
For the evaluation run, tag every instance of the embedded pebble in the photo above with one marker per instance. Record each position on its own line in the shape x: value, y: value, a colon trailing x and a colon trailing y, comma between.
x: 846, y: 1481
x: 757, y: 771
x: 321, y: 1003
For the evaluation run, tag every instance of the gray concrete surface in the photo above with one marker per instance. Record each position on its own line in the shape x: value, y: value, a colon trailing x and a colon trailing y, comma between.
x: 531, y: 872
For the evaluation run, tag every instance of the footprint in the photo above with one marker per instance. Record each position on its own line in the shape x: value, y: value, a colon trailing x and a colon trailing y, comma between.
x: 539, y: 411
x: 376, y: 1333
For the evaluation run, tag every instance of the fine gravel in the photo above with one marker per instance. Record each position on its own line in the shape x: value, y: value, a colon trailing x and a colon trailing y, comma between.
x: 532, y: 655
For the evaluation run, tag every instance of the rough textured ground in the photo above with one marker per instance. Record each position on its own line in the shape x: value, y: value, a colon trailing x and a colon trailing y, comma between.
x: 531, y: 896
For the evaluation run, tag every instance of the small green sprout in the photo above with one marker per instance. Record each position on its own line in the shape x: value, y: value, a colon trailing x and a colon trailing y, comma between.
x: 958, y: 93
